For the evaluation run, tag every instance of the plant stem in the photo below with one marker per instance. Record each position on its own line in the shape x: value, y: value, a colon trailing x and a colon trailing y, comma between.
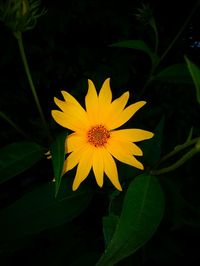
x: 156, y: 41
x: 179, y: 33
x: 18, y: 36
x: 174, y: 152
x: 179, y: 148
x: 17, y: 128
x: 177, y: 164
x: 154, y: 27
x: 157, y: 63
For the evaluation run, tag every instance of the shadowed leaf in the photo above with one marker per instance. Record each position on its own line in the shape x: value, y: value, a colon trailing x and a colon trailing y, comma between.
x: 141, y: 214
x: 58, y: 156
x: 138, y: 45
x: 195, y: 74
x: 177, y: 74
x: 17, y: 157
x: 109, y: 226
x: 39, y: 210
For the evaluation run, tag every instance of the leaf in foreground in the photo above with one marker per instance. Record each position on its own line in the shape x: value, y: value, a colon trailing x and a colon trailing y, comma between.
x: 195, y: 74
x: 58, y: 156
x: 17, y: 157
x: 141, y: 214
x: 137, y: 45
x: 39, y: 210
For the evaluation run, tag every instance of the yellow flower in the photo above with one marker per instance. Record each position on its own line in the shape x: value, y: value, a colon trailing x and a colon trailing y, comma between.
x: 95, y: 142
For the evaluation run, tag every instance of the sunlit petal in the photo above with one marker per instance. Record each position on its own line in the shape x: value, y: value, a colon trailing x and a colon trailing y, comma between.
x: 105, y: 94
x: 98, y: 166
x: 84, y: 167
x: 74, y: 141
x: 65, y: 120
x: 105, y: 98
x: 74, y: 158
x: 126, y: 146
x: 115, y: 108
x: 120, y: 102
x: 121, y: 154
x: 132, y: 134
x: 125, y: 115
x: 92, y: 103
x: 70, y: 99
x: 76, y: 112
x: 135, y: 149
x: 110, y: 169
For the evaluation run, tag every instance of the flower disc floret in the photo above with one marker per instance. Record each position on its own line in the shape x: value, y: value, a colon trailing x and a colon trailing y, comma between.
x: 98, y: 136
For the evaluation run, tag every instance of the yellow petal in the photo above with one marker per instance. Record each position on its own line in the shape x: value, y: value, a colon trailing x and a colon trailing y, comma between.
x: 84, y: 167
x: 126, y: 146
x: 105, y: 98
x: 110, y: 169
x: 98, y: 166
x: 74, y: 158
x: 120, y: 103
x: 65, y: 120
x: 70, y: 99
x: 92, y: 103
x: 126, y: 114
x: 76, y: 112
x: 74, y: 142
x: 132, y: 134
x: 105, y: 94
x: 115, y: 109
x: 122, y: 155
x: 136, y: 150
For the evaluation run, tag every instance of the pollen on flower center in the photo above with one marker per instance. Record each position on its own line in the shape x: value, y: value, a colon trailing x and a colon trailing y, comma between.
x: 98, y: 136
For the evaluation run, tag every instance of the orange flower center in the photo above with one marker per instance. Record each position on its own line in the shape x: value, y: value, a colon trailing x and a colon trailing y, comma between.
x: 98, y: 136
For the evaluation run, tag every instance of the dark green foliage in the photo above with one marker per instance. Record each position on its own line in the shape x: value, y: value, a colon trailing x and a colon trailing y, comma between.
x: 151, y: 50
x: 141, y: 214
x: 18, y: 157
x: 39, y: 210
x: 57, y: 151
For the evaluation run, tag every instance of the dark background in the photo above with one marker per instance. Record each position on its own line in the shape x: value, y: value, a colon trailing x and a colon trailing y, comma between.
x: 70, y: 44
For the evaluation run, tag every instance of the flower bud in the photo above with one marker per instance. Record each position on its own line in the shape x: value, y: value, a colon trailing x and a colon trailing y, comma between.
x: 20, y: 15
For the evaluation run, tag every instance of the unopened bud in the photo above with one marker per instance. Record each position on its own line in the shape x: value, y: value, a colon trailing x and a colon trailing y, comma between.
x: 20, y: 15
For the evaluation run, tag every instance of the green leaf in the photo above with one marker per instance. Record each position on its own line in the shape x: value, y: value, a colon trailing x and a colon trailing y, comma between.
x: 17, y: 157
x: 39, y: 210
x: 88, y: 258
x: 58, y: 156
x: 141, y: 214
x: 109, y: 226
x: 190, y: 134
x: 138, y: 45
x: 177, y: 74
x: 195, y: 74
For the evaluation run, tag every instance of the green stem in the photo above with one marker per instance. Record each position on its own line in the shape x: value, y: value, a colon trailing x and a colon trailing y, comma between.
x: 179, y: 148
x: 156, y: 41
x: 18, y: 36
x: 17, y: 128
x: 153, y: 25
x: 156, y: 64
x: 177, y: 164
x: 178, y: 34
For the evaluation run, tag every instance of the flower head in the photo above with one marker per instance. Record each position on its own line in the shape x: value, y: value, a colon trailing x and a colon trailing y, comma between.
x: 95, y: 140
x: 145, y: 16
x: 20, y: 15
